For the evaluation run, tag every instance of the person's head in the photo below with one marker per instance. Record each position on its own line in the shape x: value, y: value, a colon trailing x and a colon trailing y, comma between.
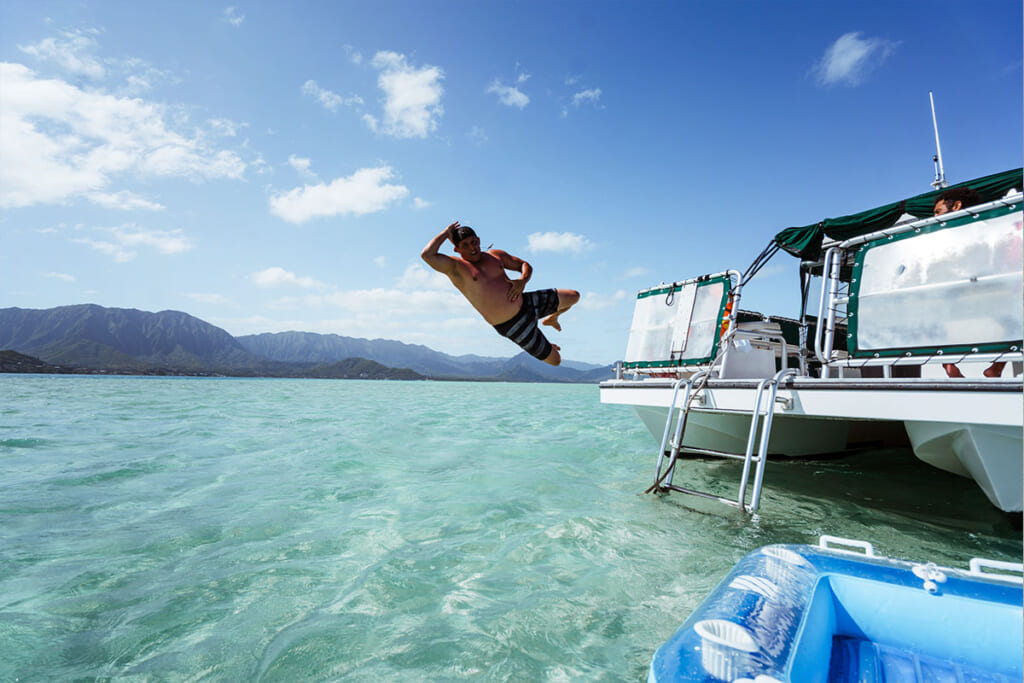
x: 467, y: 244
x: 956, y: 198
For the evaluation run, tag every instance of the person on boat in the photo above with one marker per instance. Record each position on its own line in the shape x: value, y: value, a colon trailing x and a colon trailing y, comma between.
x: 951, y: 200
x: 480, y: 276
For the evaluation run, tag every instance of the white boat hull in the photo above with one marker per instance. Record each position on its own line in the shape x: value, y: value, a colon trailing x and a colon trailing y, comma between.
x: 794, y: 437
x: 988, y: 454
x: 981, y: 439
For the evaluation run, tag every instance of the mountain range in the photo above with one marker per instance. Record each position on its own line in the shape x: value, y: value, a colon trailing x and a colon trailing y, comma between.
x: 98, y: 339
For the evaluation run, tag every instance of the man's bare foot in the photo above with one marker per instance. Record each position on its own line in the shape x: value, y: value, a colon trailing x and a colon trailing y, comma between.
x: 952, y: 370
x: 994, y: 370
x: 552, y: 320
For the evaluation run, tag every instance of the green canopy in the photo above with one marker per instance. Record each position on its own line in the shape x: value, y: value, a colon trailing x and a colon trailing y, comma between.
x: 805, y: 241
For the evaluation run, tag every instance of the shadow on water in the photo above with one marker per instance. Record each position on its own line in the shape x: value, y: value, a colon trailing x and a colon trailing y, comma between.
x: 845, y: 494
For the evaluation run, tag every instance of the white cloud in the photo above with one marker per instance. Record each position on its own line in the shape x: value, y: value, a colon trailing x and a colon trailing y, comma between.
x: 384, y: 304
x: 592, y: 301
x: 354, y: 55
x: 421, y: 307
x: 206, y: 298
x: 412, y: 103
x: 59, y: 141
x: 329, y: 100
x: 232, y: 16
x: 276, y: 276
x: 478, y: 136
x: 69, y: 52
x: 420, y: 278
x: 381, y: 261
x: 590, y: 96
x: 123, y: 200
x: 123, y: 242
x: 60, y: 276
x: 421, y: 203
x: 593, y: 95
x: 508, y: 95
x: 225, y: 127
x: 139, y: 77
x: 851, y: 58
x: 639, y: 271
x: 365, y: 191
x: 302, y: 166
x: 558, y: 242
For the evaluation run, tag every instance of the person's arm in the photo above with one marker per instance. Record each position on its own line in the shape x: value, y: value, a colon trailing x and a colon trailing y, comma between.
x: 436, y: 260
x: 510, y: 262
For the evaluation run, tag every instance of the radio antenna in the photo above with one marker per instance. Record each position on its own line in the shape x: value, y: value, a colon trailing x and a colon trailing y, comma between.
x: 940, y: 174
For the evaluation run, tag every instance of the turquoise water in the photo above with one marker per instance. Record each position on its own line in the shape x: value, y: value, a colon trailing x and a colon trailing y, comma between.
x: 285, y: 530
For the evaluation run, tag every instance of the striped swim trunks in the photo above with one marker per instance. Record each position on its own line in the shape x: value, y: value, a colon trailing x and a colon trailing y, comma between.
x: 523, y: 329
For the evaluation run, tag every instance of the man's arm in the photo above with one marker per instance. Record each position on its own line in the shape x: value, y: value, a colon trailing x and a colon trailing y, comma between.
x: 439, y: 262
x: 510, y: 262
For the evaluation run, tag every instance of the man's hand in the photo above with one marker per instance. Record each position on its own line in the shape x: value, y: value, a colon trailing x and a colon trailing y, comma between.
x: 451, y: 230
x: 515, y: 289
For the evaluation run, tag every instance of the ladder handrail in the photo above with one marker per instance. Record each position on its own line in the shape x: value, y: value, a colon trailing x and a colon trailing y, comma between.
x: 677, y: 442
x: 751, y: 436
x: 689, y: 381
x: 748, y: 456
x: 668, y: 423
x: 762, y: 454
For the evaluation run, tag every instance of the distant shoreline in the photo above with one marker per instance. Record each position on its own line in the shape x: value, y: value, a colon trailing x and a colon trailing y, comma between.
x: 13, y: 362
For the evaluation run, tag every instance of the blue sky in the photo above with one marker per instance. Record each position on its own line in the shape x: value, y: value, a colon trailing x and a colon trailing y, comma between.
x: 272, y: 166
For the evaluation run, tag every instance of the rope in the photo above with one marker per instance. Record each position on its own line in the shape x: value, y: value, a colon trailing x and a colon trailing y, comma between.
x: 701, y: 383
x: 759, y: 262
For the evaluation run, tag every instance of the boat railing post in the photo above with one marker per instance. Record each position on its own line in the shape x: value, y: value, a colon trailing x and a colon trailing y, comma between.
x: 830, y: 322
x: 819, y: 330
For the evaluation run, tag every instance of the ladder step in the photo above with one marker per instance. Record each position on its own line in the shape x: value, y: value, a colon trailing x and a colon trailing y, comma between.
x: 701, y: 494
x: 716, y: 454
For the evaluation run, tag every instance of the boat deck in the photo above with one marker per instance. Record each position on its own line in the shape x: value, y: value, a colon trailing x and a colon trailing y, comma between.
x: 992, y: 402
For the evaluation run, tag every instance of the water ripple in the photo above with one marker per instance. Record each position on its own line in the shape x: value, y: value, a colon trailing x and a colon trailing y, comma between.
x: 282, y: 530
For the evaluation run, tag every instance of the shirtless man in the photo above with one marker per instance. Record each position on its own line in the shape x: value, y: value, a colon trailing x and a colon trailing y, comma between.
x: 480, y: 276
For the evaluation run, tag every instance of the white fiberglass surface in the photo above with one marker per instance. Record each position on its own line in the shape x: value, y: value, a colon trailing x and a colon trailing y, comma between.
x: 955, y: 287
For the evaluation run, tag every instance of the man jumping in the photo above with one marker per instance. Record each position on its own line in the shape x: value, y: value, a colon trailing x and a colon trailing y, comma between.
x: 480, y: 276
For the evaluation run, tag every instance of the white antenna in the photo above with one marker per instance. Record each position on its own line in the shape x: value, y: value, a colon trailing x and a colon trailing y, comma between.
x: 940, y: 173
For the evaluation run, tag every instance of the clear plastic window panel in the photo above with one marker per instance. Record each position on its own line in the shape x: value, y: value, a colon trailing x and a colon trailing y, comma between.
x: 960, y: 286
x: 683, y: 324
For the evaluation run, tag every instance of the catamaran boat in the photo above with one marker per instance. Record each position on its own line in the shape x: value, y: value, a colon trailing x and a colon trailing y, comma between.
x: 916, y: 338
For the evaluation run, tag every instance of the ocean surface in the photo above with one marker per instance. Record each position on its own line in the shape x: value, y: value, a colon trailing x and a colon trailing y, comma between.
x: 157, y: 529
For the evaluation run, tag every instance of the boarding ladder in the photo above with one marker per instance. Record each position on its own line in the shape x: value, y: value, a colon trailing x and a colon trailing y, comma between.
x: 761, y: 414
